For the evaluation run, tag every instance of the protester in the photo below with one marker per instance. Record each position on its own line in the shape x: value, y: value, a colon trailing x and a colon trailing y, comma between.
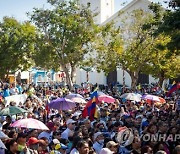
x: 120, y: 127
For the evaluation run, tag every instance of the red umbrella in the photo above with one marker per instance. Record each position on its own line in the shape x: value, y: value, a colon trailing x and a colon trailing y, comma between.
x: 161, y: 100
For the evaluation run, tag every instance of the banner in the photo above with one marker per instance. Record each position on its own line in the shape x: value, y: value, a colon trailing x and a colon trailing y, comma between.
x: 16, y: 98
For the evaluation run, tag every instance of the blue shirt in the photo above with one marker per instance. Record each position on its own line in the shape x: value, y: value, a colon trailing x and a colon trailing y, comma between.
x: 6, y: 92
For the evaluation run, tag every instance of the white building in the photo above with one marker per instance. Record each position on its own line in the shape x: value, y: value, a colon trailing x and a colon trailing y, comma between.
x: 105, y: 8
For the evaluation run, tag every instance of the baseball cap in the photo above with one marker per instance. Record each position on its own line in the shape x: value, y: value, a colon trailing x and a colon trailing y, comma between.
x: 55, y: 141
x: 97, y: 134
x: 105, y: 105
x: 51, y: 125
x: 32, y: 140
x: 139, y: 116
x: 110, y: 144
x: 61, y: 146
x: 70, y: 121
x: 106, y: 151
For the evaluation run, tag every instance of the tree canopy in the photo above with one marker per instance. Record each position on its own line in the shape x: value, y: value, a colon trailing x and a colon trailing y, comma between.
x: 16, y: 46
x: 66, y: 33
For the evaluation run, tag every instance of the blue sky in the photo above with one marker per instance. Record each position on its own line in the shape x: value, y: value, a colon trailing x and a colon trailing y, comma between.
x: 18, y: 8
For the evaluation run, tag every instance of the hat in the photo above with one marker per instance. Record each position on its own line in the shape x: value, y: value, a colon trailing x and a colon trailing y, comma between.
x: 42, y: 142
x: 97, y: 134
x: 77, y: 114
x: 60, y: 146
x: 55, y: 141
x: 51, y: 125
x: 139, y: 116
x: 33, y: 140
x: 106, y: 151
x: 110, y: 144
x: 70, y: 121
x: 105, y: 105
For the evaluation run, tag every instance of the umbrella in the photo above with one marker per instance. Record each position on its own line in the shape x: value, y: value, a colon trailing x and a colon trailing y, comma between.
x: 62, y: 104
x: 161, y: 100
x: 106, y: 98
x: 100, y: 93
x: 2, y: 146
x: 78, y: 100
x: 72, y: 95
x: 2, y: 135
x: 151, y: 97
x: 132, y: 97
x: 30, y: 124
x: 12, y: 110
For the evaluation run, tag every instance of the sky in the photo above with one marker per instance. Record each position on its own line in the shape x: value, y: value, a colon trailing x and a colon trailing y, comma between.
x: 18, y: 8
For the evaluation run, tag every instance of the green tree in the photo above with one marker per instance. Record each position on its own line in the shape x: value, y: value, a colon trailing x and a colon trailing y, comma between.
x: 108, y: 47
x: 165, y: 61
x: 16, y: 46
x: 66, y: 33
x: 163, y: 64
x: 133, y: 52
x: 170, y: 25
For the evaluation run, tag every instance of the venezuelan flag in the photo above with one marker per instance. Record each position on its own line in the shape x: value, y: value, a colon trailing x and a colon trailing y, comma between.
x: 90, y: 108
x: 173, y: 88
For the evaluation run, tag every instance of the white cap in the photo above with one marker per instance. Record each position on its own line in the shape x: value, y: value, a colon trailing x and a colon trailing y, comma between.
x: 97, y: 134
x: 56, y: 141
x: 70, y: 121
x: 77, y: 114
x: 139, y: 116
x: 106, y: 151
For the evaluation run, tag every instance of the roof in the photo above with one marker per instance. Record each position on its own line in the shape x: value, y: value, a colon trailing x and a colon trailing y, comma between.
x: 129, y: 5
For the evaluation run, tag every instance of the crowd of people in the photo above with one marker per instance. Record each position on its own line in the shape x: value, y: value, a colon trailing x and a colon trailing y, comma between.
x: 121, y: 127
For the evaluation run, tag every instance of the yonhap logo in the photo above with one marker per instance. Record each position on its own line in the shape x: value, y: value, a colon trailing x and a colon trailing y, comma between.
x: 125, y: 136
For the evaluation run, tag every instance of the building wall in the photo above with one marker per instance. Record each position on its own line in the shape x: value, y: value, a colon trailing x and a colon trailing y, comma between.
x: 94, y: 77
x: 152, y: 80
x: 104, y: 8
x: 120, y: 77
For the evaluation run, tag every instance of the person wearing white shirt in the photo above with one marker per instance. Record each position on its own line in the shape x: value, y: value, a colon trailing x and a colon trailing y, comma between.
x: 69, y: 130
x: 14, y: 90
x: 99, y: 142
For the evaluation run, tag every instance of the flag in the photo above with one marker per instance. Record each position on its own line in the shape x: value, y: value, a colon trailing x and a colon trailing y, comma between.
x: 90, y: 108
x: 173, y: 88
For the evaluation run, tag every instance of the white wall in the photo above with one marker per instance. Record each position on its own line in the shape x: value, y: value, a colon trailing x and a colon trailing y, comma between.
x: 120, y: 77
x: 152, y: 80
x: 25, y: 75
x: 107, y: 9
x: 94, y: 77
x: 104, y: 8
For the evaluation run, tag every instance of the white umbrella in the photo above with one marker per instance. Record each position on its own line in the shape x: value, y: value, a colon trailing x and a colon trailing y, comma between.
x: 132, y: 97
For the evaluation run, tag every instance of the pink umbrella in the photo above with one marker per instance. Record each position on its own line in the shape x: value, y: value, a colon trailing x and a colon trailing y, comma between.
x: 106, y: 98
x: 30, y: 123
x: 78, y: 100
